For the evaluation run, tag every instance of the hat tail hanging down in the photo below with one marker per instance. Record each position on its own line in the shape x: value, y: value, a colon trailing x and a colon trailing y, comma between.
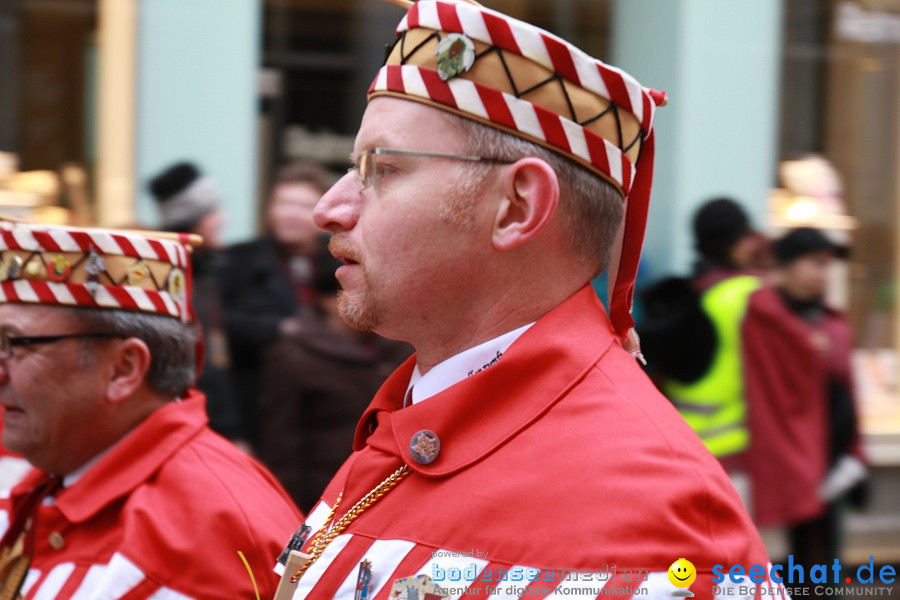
x: 627, y: 251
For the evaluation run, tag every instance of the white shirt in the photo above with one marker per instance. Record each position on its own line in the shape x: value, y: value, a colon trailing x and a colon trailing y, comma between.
x: 12, y: 470
x: 462, y: 365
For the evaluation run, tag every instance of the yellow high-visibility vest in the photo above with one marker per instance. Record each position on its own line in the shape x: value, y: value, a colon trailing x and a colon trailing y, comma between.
x: 714, y: 405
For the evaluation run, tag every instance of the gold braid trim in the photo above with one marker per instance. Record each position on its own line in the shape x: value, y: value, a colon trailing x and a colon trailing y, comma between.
x: 328, y: 532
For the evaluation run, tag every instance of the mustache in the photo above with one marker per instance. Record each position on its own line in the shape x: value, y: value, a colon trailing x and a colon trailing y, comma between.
x: 341, y: 247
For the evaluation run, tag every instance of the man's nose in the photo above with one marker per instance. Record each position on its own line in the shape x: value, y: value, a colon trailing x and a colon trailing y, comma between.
x: 338, y: 209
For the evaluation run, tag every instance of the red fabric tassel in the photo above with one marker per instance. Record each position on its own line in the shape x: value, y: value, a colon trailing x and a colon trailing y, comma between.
x: 636, y: 212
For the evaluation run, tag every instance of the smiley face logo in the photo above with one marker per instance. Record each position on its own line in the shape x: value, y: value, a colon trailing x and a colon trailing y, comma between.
x: 682, y: 573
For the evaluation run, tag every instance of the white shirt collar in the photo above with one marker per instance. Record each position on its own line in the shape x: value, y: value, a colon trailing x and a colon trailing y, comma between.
x: 462, y: 365
x: 70, y: 479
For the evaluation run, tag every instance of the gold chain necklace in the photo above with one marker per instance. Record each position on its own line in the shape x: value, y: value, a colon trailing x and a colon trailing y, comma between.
x: 328, y: 532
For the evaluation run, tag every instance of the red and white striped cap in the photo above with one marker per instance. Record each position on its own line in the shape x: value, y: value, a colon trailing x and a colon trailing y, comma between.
x: 508, y: 74
x: 96, y: 268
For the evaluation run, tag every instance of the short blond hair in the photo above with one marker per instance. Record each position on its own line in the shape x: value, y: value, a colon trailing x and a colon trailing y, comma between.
x: 591, y: 208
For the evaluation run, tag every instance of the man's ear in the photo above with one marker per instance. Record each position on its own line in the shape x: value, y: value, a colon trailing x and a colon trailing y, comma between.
x: 530, y: 194
x: 131, y: 361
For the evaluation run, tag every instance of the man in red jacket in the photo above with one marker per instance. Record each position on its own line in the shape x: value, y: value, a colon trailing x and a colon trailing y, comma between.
x: 522, y: 442
x: 131, y: 495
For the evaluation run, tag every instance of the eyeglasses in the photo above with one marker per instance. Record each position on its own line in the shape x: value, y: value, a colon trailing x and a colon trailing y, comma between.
x: 8, y: 342
x: 366, y: 163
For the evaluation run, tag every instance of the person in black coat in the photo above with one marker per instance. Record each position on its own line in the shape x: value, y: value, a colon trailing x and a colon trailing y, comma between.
x: 315, y: 385
x: 266, y: 283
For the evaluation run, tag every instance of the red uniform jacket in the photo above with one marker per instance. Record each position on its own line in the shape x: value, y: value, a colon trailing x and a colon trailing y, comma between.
x: 788, y: 362
x: 161, y: 515
x: 562, y: 456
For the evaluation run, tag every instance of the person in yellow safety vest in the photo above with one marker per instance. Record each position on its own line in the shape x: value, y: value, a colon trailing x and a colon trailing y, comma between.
x: 692, y: 338
x: 714, y: 405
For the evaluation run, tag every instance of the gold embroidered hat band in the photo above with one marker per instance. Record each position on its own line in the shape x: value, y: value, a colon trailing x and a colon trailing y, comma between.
x: 96, y: 268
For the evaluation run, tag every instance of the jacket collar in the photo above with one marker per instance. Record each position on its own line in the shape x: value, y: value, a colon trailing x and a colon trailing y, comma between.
x: 479, y: 414
x: 132, y: 460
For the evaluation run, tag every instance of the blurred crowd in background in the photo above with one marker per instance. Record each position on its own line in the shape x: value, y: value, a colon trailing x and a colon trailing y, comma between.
x: 767, y: 302
x: 759, y: 364
x: 284, y: 376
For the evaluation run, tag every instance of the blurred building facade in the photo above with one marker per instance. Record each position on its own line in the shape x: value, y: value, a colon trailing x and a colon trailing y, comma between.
x: 97, y: 95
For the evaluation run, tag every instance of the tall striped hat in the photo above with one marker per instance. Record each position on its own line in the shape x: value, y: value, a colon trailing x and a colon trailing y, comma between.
x: 483, y: 65
x: 96, y: 268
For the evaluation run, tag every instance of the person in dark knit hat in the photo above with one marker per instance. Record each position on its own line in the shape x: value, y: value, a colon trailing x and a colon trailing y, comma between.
x: 724, y: 238
x: 189, y: 202
x: 804, y: 425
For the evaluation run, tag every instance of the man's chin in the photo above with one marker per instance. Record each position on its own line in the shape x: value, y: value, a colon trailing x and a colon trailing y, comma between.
x: 13, y: 442
x: 357, y: 312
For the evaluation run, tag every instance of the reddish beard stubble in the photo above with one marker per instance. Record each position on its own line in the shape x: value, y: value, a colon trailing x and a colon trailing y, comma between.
x: 361, y: 308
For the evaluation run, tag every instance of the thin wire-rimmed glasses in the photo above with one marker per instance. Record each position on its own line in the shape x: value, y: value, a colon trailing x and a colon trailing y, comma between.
x: 8, y: 342
x: 366, y: 163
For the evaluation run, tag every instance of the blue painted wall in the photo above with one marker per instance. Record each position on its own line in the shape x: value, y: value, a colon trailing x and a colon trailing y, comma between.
x: 719, y: 60
x: 197, y: 99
